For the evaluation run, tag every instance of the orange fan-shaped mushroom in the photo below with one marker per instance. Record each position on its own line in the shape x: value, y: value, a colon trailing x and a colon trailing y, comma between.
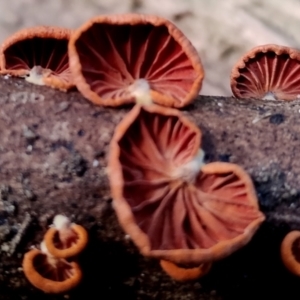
x: 290, y: 252
x: 65, y: 239
x: 50, y: 274
x: 110, y: 53
x: 268, y: 71
x: 174, y: 207
x: 40, y: 54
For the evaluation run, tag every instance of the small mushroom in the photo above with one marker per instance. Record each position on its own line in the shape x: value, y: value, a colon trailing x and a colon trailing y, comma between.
x: 65, y: 239
x: 185, y: 273
x: 50, y: 274
x: 267, y: 72
x: 110, y: 53
x: 40, y: 54
x: 172, y: 205
x: 290, y: 252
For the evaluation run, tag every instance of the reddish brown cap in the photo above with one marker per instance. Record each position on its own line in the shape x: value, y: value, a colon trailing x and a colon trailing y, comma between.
x: 290, y: 252
x: 41, y: 54
x: 65, y: 239
x: 267, y: 69
x: 172, y: 206
x: 110, y: 52
x: 49, y: 274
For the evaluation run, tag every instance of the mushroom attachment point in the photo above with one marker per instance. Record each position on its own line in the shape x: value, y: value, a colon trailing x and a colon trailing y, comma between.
x: 50, y: 274
x: 65, y: 239
x: 269, y: 72
x: 172, y: 205
x: 111, y: 53
x: 40, y: 54
x: 290, y: 252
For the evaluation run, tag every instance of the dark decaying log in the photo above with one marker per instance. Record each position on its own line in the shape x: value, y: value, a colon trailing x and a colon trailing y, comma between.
x: 53, y: 149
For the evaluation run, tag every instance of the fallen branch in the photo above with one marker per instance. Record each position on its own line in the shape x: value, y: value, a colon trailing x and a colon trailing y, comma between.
x: 53, y: 160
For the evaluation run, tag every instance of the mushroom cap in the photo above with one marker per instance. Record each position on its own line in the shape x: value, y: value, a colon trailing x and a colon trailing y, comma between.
x: 185, y: 274
x: 290, y: 252
x: 66, y: 242
x: 41, y: 52
x: 56, y: 278
x: 110, y: 52
x: 172, y: 210
x: 267, y: 69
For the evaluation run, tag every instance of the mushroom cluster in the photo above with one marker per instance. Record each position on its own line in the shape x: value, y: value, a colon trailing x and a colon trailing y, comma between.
x: 53, y: 268
x: 174, y: 207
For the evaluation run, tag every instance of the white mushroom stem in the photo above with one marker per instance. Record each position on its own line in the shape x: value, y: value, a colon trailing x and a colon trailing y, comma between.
x: 61, y: 222
x: 269, y: 96
x: 50, y: 258
x: 64, y: 228
x: 190, y: 170
x: 37, y: 75
x: 44, y: 248
x: 140, y: 89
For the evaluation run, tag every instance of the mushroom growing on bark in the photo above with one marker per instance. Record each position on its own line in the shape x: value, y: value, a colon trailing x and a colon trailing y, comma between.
x: 109, y: 53
x: 65, y: 239
x: 268, y: 72
x: 173, y: 206
x: 50, y: 274
x: 40, y: 54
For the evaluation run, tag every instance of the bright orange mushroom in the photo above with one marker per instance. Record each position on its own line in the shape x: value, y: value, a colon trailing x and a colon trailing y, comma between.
x: 290, y: 252
x: 173, y: 206
x: 65, y: 239
x: 110, y: 53
x: 50, y: 274
x: 268, y: 72
x: 40, y: 54
x: 187, y: 273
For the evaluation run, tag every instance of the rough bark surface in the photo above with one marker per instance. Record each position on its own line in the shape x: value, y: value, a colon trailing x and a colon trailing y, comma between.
x: 53, y: 149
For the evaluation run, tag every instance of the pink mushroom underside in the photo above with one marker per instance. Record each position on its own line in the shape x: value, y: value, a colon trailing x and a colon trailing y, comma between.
x: 49, y: 53
x: 114, y: 56
x: 173, y: 213
x: 269, y: 72
x: 60, y: 271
